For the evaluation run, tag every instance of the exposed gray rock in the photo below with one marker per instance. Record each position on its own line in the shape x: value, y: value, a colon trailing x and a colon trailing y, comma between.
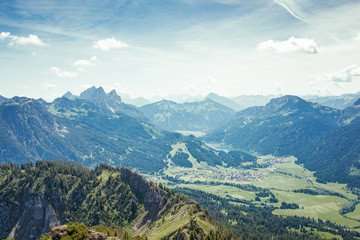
x: 32, y: 217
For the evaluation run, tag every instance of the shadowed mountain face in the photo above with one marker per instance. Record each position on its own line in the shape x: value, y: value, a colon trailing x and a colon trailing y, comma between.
x: 37, y: 198
x: 280, y: 127
x: 28, y: 132
x: 335, y: 155
x: 80, y: 131
x: 224, y: 101
x: 195, y: 116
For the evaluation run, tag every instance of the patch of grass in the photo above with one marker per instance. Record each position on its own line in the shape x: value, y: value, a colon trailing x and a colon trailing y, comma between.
x: 281, y: 181
x: 314, y: 206
x: 355, y: 214
x: 170, y: 223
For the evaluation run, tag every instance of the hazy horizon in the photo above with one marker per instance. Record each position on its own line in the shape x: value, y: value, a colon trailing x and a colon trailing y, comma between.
x: 174, y: 47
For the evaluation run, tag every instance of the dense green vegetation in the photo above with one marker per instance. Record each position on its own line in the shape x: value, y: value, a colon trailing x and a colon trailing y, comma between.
x: 334, y: 156
x: 113, y: 197
x: 181, y: 159
x: 253, y: 222
x: 85, y: 194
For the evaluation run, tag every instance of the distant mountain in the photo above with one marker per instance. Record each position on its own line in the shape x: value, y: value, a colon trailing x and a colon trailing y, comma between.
x: 339, y: 102
x: 224, y: 101
x: 111, y: 101
x: 194, y: 116
x: 2, y: 99
x: 70, y: 96
x: 138, y: 102
x: 80, y: 131
x: 36, y: 198
x: 246, y: 101
x: 84, y: 132
x: 351, y: 114
x: 280, y: 127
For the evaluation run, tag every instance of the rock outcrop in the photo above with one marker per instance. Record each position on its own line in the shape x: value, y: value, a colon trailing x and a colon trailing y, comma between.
x: 27, y: 220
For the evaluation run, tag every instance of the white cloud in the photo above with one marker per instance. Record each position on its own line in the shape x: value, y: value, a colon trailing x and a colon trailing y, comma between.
x: 109, y: 43
x: 32, y: 39
x: 344, y: 75
x: 57, y: 71
x: 293, y: 44
x: 82, y: 62
x: 49, y: 86
x: 4, y: 35
x: 16, y: 40
x: 357, y: 37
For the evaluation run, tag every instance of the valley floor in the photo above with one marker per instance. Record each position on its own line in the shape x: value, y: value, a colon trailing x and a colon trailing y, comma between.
x: 270, y: 181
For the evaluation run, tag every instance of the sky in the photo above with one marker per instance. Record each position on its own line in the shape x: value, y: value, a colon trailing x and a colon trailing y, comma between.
x: 158, y: 48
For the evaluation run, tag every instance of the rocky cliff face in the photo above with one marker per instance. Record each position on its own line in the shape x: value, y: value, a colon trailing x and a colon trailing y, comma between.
x: 28, y: 219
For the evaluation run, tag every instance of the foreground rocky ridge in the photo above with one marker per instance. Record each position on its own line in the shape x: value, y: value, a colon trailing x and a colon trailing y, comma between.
x: 36, y: 198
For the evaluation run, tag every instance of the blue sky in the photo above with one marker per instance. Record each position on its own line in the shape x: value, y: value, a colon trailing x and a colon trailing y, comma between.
x: 147, y: 48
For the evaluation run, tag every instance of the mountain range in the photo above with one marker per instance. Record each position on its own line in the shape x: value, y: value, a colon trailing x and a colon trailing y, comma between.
x: 92, y: 129
x: 192, y: 116
x: 340, y: 102
x: 317, y: 135
x: 242, y: 102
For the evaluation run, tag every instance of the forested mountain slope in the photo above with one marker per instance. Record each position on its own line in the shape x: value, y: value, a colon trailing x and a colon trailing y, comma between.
x: 36, y: 198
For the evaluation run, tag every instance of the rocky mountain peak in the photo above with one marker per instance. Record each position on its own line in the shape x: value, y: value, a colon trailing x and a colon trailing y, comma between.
x: 211, y: 95
x: 287, y: 100
x: 93, y: 94
x: 114, y: 96
x: 165, y: 104
x: 69, y: 95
